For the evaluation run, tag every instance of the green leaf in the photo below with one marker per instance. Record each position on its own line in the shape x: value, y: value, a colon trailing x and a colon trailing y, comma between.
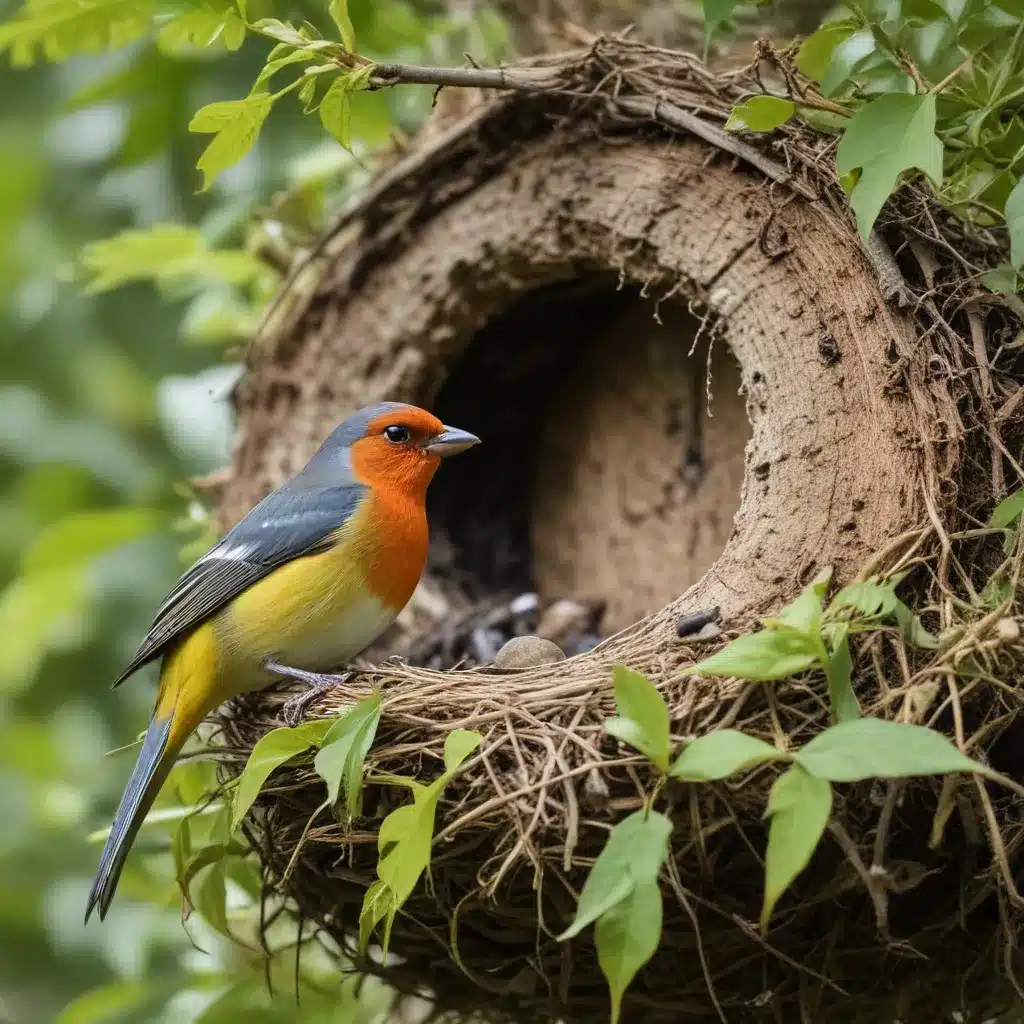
x: 106, y: 1003
x: 716, y: 14
x: 458, y: 745
x: 626, y: 937
x: 202, y: 26
x: 212, y: 897
x: 276, y: 63
x: 907, y: 124
x: 770, y: 654
x: 272, y: 751
x: 1003, y: 280
x: 642, y: 719
x: 236, y: 124
x: 846, y: 57
x: 405, y: 835
x: 872, y: 748
x: 723, y: 753
x: 169, y: 254
x: 339, y: 762
x: 61, y: 28
x: 873, y: 600
x: 378, y: 903
x: 799, y: 806
x: 33, y: 608
x: 84, y: 536
x: 839, y: 673
x: 336, y: 112
x: 1008, y: 511
x: 759, y: 114
x: 804, y: 612
x: 633, y: 855
x: 339, y: 12
x: 869, y: 598
x: 816, y: 51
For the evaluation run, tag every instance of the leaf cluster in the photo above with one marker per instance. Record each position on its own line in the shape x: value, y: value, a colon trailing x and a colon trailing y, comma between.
x: 932, y: 87
x: 622, y: 897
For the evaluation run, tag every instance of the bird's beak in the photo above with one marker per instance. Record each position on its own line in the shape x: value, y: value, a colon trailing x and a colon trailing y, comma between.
x: 450, y: 441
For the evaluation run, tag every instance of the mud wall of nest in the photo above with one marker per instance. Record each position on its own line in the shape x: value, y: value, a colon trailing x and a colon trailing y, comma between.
x: 693, y: 393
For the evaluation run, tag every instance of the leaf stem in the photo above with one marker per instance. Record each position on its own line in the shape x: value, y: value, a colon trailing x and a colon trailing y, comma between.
x: 962, y: 66
x: 820, y: 103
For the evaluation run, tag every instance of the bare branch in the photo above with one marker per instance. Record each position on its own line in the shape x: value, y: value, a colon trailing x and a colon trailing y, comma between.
x: 516, y: 79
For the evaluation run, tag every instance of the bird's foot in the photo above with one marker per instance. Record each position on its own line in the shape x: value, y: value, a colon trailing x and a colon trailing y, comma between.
x: 315, y: 683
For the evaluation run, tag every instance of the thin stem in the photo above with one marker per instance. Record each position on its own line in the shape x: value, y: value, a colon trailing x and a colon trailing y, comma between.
x: 820, y: 103
x: 938, y: 87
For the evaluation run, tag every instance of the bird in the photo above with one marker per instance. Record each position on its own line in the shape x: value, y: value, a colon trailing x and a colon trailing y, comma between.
x: 306, y: 581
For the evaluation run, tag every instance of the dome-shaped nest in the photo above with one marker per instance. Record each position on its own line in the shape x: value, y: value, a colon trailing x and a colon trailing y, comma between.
x: 587, y: 273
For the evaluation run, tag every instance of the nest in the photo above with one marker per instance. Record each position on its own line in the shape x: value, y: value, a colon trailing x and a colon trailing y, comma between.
x: 880, y: 386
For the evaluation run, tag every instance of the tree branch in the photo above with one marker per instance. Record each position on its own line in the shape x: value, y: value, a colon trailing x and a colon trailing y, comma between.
x: 516, y: 79
x: 547, y: 79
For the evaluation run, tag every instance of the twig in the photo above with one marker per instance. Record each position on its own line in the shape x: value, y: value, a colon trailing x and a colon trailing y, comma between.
x: 938, y: 87
x: 517, y: 79
x: 545, y: 79
x: 675, y: 117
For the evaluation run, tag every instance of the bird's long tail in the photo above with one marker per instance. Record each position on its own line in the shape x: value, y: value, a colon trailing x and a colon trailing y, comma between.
x: 185, y: 698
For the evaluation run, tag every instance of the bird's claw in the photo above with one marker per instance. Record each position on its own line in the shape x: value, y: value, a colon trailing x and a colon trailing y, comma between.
x: 315, y: 682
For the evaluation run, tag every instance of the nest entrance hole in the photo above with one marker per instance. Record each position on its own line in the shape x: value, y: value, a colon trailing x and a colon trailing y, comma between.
x: 607, y: 475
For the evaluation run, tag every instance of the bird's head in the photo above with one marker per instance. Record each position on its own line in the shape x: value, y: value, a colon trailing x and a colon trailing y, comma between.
x: 395, y: 445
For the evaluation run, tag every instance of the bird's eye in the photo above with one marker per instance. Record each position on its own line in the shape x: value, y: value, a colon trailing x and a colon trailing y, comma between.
x: 396, y: 434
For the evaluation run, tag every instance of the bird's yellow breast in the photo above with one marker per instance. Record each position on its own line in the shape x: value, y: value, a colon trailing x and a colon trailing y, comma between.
x: 315, y: 612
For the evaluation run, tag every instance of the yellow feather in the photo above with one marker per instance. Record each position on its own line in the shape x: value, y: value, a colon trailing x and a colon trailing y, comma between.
x: 313, y: 612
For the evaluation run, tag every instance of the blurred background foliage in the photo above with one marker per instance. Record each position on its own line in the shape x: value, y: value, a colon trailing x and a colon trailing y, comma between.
x: 109, y: 398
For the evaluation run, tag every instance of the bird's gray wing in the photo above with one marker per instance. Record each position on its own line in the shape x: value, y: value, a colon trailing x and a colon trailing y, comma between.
x: 286, y: 524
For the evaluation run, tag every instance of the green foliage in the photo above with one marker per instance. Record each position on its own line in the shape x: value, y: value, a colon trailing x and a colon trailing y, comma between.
x: 805, y: 635
x: 274, y: 749
x: 723, y: 753
x: 622, y: 898
x: 201, y: 27
x: 627, y: 936
x: 642, y: 719
x: 771, y: 654
x: 941, y: 83
x: 717, y: 14
x: 169, y: 254
x: 343, y: 750
x: 58, y: 29
x: 907, y: 123
x: 760, y: 114
x: 235, y: 124
x: 798, y: 808
x: 620, y: 893
x: 404, y: 839
x: 874, y: 748
x: 1006, y: 516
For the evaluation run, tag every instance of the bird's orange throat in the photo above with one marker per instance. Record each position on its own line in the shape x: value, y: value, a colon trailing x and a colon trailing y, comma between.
x: 399, y: 528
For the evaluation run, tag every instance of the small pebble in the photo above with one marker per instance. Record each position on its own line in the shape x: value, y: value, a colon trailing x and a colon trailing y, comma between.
x: 528, y: 652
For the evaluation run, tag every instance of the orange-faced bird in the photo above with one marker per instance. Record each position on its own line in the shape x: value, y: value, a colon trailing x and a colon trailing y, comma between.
x: 305, y: 582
